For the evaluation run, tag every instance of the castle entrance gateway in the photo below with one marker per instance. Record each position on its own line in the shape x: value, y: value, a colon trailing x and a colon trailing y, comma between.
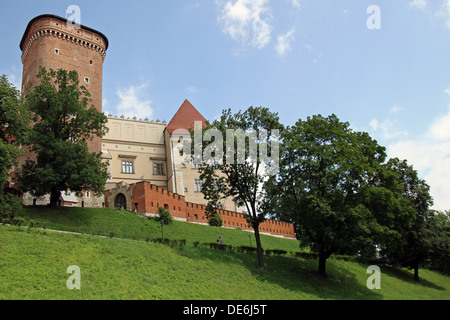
x: 121, y: 201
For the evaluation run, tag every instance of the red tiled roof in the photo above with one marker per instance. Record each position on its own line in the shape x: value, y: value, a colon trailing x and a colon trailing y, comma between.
x: 185, y: 117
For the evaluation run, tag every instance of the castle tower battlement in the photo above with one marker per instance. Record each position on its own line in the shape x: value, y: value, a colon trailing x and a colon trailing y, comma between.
x: 49, y: 41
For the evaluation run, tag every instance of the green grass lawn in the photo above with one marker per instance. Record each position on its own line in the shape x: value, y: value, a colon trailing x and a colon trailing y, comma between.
x: 124, y: 224
x: 34, y: 263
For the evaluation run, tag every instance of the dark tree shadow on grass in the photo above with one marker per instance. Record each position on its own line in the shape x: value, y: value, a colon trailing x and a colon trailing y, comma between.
x: 293, y: 274
x: 302, y: 275
x: 69, y: 218
x: 408, y: 276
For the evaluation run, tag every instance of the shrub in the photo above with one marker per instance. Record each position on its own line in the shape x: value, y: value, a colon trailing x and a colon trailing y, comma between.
x: 307, y: 255
x: 216, y: 221
x: 164, y: 215
x: 9, y: 206
x: 246, y: 249
x: 36, y: 224
x: 275, y: 252
x: 17, y: 221
x: 170, y: 242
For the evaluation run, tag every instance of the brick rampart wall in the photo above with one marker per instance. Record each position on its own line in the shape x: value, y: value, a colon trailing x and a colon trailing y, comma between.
x: 146, y: 198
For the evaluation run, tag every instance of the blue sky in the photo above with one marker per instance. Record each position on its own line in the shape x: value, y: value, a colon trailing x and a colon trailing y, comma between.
x: 297, y: 57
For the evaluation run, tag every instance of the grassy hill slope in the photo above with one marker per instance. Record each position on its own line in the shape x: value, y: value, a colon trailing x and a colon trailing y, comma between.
x: 34, y: 263
x: 124, y: 224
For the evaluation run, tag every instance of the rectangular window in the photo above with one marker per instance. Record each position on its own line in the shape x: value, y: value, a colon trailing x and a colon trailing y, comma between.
x: 198, y: 185
x: 127, y: 167
x: 158, y: 169
x: 197, y: 166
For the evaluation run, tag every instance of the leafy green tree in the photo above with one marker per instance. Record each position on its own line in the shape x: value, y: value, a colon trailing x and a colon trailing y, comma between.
x: 413, y: 248
x: 64, y: 120
x: 438, y: 237
x: 239, y: 169
x: 214, y: 218
x: 14, y: 116
x: 209, y: 187
x: 9, y: 204
x: 328, y: 186
x: 14, y: 119
x: 8, y: 158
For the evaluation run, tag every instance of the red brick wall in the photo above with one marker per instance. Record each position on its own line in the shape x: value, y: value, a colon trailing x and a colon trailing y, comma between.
x: 149, y: 197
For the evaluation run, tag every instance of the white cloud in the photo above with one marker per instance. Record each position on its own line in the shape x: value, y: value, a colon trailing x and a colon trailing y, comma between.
x: 315, y: 54
x: 133, y: 102
x: 284, y: 42
x: 440, y: 129
x: 447, y: 91
x: 191, y: 6
x: 318, y: 57
x: 445, y: 12
x: 387, y: 129
x: 247, y: 21
x: 432, y: 160
x: 374, y: 124
x: 192, y: 89
x: 296, y: 3
x: 418, y: 4
x: 440, y: 9
x: 396, y: 109
x: 430, y: 155
x: 105, y: 106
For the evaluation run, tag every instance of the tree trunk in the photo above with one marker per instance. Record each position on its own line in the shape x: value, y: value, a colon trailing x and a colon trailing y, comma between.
x: 54, y: 198
x: 259, y: 247
x: 323, y: 256
x: 322, y: 265
x: 416, y: 271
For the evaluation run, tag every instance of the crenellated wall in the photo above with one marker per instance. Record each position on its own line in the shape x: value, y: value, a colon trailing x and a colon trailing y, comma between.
x: 145, y: 198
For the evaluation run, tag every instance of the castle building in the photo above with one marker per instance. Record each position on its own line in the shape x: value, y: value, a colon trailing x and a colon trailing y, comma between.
x: 135, y: 151
x: 145, y: 168
x: 148, y: 151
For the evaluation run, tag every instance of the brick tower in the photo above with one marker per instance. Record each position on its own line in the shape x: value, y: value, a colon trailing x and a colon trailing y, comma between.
x: 49, y: 41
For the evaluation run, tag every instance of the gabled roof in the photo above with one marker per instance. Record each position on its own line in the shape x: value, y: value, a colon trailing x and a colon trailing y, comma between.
x: 185, y: 117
